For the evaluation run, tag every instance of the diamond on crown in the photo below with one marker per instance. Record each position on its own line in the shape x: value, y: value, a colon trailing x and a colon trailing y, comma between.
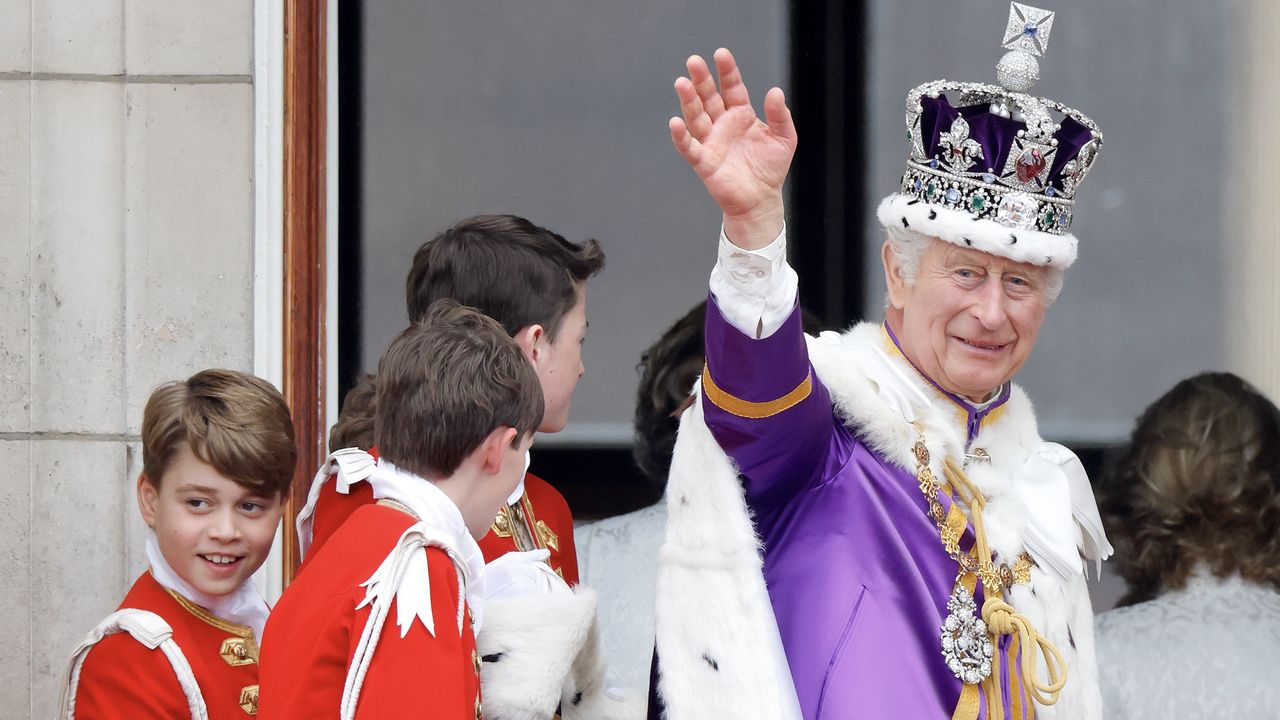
x: 1028, y: 29
x: 1022, y: 210
x: 962, y: 150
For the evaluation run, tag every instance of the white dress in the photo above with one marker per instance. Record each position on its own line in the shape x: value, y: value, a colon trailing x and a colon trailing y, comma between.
x: 1211, y: 650
x: 618, y: 558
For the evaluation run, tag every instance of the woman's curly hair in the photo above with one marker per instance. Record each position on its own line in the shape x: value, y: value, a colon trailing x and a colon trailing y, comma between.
x: 668, y: 370
x: 1198, y: 484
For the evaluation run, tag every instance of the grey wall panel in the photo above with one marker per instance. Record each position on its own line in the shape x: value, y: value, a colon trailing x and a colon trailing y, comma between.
x: 1141, y: 306
x: 555, y: 110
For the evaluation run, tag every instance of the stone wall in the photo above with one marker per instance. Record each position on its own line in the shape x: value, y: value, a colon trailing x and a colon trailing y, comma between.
x: 126, y: 259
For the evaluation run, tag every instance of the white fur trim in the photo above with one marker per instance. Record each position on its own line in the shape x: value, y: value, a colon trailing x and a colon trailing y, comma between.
x: 585, y: 696
x: 719, y: 651
x: 543, y: 650
x: 154, y: 633
x: 960, y: 228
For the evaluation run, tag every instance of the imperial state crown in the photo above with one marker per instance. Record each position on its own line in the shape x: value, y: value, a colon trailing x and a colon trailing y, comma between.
x: 992, y: 167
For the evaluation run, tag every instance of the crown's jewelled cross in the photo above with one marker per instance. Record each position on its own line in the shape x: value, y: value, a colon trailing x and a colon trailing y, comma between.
x: 1028, y: 29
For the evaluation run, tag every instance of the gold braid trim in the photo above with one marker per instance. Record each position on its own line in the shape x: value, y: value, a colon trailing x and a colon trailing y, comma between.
x: 1002, y: 619
x: 243, y: 631
x: 754, y: 410
x: 397, y: 505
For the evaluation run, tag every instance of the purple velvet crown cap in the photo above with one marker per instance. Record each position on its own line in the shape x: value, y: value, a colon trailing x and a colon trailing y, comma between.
x: 997, y: 136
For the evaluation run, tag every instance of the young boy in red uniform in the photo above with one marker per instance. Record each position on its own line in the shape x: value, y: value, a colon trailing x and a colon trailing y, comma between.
x: 533, y: 282
x: 218, y: 453
x: 381, y: 624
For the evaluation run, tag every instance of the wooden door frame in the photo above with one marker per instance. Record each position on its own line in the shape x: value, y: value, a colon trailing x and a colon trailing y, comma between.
x: 305, y: 259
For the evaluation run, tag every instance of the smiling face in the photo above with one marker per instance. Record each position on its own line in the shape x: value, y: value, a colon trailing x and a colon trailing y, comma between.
x: 970, y: 319
x: 212, y: 531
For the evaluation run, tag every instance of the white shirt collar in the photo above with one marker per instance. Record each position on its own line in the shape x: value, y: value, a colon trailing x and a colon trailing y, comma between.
x: 243, y: 606
x: 519, y: 492
x: 434, y: 508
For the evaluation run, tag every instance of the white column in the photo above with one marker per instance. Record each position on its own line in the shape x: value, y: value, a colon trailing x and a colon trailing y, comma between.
x: 1252, y: 223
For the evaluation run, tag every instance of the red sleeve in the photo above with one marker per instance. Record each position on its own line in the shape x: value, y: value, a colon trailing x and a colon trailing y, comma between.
x: 419, y: 675
x: 122, y: 679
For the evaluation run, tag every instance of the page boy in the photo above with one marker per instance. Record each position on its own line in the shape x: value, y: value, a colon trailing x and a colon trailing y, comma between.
x: 381, y: 624
x: 218, y: 454
x: 533, y: 282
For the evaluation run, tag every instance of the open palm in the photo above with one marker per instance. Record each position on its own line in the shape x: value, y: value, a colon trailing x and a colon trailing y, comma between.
x: 742, y: 160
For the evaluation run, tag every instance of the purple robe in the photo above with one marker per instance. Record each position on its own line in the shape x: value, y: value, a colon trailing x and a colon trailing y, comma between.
x: 854, y: 566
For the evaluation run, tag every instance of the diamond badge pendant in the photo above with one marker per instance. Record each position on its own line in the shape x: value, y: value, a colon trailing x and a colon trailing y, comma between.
x: 965, y: 644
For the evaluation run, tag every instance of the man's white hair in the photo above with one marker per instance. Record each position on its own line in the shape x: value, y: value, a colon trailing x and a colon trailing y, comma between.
x: 908, y: 247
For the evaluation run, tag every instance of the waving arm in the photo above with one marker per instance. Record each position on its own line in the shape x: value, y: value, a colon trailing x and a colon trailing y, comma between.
x: 761, y: 401
x: 741, y: 159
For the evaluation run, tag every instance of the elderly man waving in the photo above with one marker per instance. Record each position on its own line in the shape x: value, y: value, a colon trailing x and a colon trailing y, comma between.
x: 924, y: 549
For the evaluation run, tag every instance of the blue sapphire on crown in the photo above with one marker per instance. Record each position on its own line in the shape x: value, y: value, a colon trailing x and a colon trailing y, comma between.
x: 1028, y: 29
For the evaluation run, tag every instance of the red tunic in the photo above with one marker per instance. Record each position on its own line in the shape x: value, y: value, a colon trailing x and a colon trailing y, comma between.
x: 547, y: 521
x: 122, y: 679
x: 313, y: 632
x: 546, y: 517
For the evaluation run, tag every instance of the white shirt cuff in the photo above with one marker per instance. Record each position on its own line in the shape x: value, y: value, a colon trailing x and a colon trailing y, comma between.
x: 755, y: 289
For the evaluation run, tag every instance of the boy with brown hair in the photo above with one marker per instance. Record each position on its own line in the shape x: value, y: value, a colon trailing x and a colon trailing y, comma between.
x: 218, y: 454
x: 531, y: 281
x: 457, y: 406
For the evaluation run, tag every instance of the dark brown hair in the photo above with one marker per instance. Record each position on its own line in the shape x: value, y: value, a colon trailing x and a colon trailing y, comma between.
x: 504, y: 266
x: 233, y: 421
x: 446, y: 383
x: 355, y: 425
x: 1198, y: 484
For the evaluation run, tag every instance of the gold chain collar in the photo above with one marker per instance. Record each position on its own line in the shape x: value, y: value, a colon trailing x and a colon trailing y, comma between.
x: 994, y: 578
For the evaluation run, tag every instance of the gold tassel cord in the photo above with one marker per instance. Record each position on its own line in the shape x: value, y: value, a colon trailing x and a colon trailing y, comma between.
x: 1001, y: 618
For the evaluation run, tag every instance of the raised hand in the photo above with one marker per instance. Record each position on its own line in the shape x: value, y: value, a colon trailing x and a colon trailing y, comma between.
x: 742, y: 160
